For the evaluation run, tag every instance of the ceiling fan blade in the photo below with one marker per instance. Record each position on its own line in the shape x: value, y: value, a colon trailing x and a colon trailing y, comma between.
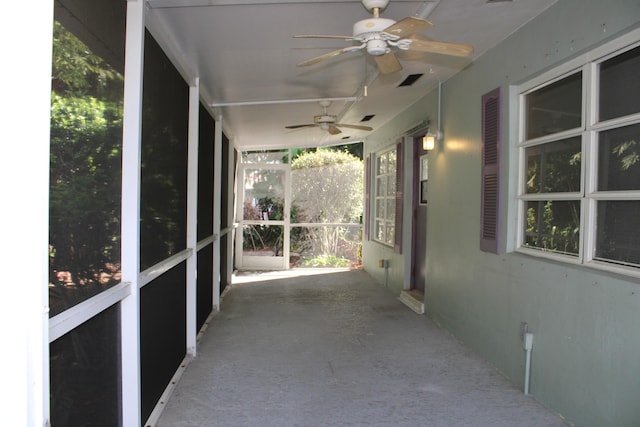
x: 326, y: 56
x: 321, y: 36
x: 408, y: 26
x: 412, y: 55
x: 445, y: 48
x: 388, y: 63
x: 301, y: 126
x: 358, y: 127
x: 333, y: 130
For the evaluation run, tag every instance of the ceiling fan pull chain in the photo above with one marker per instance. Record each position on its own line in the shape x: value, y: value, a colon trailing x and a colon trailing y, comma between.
x: 366, y: 86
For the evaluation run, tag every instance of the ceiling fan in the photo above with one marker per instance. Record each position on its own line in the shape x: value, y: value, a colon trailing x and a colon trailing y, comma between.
x: 327, y: 122
x: 380, y: 35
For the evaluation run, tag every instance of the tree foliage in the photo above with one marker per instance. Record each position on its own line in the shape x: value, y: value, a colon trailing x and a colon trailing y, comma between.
x: 328, y: 189
x: 328, y: 186
x: 76, y: 71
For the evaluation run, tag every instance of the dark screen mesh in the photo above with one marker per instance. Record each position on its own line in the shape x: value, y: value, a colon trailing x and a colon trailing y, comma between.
x: 224, y: 211
x: 204, y: 285
x: 85, y: 373
x: 85, y: 146
x: 224, y: 257
x: 163, y: 192
x: 205, y: 174
x: 162, y: 333
x: 84, y: 207
x: 163, y: 210
x: 224, y: 194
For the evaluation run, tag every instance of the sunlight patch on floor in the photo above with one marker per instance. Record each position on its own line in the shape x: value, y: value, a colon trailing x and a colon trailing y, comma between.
x: 260, y: 276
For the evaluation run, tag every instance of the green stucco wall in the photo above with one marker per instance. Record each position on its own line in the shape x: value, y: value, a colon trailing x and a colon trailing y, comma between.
x: 586, y: 323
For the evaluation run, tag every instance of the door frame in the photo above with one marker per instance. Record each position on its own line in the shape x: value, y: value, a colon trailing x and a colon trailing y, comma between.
x: 244, y: 262
x: 418, y: 202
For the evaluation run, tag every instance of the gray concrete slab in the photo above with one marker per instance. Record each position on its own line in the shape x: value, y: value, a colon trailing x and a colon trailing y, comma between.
x: 338, y: 350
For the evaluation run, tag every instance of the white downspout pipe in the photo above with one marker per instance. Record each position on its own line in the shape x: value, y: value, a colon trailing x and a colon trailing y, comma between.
x: 528, y: 345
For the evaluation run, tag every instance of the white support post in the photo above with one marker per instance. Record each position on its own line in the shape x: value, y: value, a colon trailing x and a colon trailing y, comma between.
x: 238, y: 211
x: 131, y: 156
x: 217, y: 177
x: 231, y: 210
x: 286, y: 247
x: 24, y: 172
x: 192, y: 216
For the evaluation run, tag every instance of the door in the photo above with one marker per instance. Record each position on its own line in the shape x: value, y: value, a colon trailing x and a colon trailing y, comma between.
x: 419, y: 217
x: 263, y: 232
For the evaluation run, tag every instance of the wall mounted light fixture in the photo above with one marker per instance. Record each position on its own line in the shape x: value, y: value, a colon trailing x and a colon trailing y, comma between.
x: 429, y: 142
x: 430, y: 139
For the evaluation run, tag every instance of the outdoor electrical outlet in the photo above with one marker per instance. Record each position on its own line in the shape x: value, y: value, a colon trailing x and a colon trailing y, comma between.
x: 528, y: 341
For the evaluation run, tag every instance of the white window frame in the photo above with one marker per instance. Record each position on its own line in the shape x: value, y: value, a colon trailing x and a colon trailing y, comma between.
x: 588, y: 195
x: 386, y: 199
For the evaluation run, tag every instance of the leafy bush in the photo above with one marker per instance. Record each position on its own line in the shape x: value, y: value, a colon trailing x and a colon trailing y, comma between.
x: 328, y: 190
x: 326, y: 260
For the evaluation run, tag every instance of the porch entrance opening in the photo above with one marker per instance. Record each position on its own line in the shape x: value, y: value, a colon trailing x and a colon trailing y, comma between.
x: 300, y: 209
x: 264, y: 216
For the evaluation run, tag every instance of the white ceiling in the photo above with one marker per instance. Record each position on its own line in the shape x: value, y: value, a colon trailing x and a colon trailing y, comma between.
x: 244, y: 56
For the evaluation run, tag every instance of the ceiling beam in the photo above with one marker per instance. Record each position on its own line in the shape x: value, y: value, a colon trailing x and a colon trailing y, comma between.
x: 157, y: 4
x: 163, y: 4
x: 279, y: 101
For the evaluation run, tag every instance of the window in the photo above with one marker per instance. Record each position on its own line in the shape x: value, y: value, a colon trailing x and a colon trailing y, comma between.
x: 384, y: 212
x: 579, y: 150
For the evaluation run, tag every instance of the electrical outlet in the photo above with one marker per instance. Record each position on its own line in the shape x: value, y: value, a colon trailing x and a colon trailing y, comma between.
x: 524, y: 328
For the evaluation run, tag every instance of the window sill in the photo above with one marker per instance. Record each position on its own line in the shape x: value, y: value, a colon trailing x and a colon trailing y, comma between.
x: 552, y: 256
x: 382, y: 244
x: 620, y: 271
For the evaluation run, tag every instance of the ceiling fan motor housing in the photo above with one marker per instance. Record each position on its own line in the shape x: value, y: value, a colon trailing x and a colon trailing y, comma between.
x: 324, y: 118
x: 368, y: 30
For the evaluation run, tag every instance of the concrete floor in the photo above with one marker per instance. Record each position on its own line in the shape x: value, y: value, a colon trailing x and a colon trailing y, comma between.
x: 338, y: 349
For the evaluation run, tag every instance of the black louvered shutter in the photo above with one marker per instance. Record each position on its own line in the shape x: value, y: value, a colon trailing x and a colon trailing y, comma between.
x: 491, y: 194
